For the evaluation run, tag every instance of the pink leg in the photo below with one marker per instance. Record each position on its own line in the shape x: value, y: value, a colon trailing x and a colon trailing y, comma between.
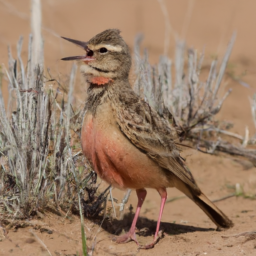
x: 163, y: 194
x: 141, y: 193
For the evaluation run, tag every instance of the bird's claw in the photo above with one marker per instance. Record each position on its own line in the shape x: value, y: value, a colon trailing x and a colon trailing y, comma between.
x: 156, y: 240
x: 126, y: 238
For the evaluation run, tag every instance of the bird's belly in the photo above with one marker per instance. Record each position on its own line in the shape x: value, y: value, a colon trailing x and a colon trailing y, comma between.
x: 117, y: 161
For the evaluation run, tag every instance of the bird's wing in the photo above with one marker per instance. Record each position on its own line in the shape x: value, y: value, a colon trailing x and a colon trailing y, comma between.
x: 150, y: 133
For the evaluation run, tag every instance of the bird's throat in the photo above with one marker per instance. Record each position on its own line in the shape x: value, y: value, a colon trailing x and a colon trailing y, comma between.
x: 99, y: 80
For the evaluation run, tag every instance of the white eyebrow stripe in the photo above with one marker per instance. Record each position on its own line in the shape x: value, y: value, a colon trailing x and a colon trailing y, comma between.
x: 112, y: 48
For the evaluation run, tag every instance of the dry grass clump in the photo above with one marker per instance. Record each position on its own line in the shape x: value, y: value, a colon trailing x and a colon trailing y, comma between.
x: 190, y: 103
x: 41, y: 163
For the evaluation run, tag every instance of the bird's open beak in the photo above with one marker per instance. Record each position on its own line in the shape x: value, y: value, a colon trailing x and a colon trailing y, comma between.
x: 85, y: 57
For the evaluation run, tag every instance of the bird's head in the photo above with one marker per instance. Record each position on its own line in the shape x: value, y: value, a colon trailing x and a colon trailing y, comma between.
x: 107, y: 57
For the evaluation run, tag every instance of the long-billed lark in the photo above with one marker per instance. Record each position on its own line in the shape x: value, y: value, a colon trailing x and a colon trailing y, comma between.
x: 128, y: 144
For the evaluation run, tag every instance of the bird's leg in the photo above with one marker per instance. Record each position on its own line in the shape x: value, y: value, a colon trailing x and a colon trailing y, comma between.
x: 141, y: 193
x: 163, y: 194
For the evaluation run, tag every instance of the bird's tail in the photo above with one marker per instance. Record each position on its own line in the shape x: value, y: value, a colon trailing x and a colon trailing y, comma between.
x: 213, y: 212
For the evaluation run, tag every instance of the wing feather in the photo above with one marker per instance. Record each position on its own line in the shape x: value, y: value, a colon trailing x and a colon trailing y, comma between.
x: 150, y: 133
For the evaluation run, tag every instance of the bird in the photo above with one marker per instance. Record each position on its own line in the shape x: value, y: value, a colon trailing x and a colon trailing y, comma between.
x: 127, y: 142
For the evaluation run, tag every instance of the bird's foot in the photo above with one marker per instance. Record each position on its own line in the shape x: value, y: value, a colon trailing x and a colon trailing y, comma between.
x: 156, y: 239
x: 126, y: 238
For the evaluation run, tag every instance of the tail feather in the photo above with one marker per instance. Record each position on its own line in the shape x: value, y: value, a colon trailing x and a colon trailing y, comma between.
x: 211, y: 210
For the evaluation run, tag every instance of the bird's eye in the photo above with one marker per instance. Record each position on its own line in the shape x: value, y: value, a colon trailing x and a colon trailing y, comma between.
x: 103, y: 50
x: 90, y: 53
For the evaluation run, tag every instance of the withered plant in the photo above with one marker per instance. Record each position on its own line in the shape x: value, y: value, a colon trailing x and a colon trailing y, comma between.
x: 41, y: 163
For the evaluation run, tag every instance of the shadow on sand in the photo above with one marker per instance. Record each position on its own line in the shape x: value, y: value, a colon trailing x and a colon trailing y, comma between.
x: 146, y: 227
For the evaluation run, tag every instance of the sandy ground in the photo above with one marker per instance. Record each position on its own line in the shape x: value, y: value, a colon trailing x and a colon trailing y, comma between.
x: 208, y: 24
x: 187, y: 230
